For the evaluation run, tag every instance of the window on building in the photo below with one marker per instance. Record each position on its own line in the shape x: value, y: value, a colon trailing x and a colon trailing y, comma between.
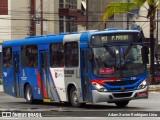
x: 61, y: 24
x: 71, y: 54
x: 71, y: 25
x: 61, y: 3
x: 3, y: 7
x: 30, y: 56
x: 68, y: 4
x: 56, y: 55
x: 7, y: 57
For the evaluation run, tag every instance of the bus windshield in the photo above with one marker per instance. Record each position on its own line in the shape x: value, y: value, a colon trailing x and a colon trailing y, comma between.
x: 118, y: 61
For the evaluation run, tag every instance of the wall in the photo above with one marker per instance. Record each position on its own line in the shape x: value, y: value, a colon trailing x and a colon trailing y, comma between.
x: 20, y: 15
x: 5, y: 26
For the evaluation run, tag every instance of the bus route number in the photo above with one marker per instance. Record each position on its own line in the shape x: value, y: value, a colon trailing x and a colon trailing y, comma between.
x: 120, y: 37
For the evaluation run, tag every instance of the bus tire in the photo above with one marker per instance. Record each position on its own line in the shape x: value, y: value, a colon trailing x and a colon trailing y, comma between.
x: 122, y: 104
x: 74, y: 98
x: 29, y: 94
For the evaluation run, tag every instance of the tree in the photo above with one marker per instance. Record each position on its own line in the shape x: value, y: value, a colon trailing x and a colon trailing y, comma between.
x: 126, y: 7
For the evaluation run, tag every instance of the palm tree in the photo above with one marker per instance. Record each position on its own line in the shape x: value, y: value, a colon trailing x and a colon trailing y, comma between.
x: 126, y: 7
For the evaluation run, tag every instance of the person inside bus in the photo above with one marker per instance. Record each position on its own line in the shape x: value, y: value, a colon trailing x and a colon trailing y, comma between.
x: 61, y: 64
x: 55, y: 63
x: 8, y: 63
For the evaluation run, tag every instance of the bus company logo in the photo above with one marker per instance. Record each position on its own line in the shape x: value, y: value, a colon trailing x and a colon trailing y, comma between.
x: 58, y: 75
x: 23, y: 73
x: 122, y: 88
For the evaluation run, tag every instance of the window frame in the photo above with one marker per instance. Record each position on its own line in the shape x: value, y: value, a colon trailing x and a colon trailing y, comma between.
x: 56, y: 57
x: 30, y: 63
x: 9, y: 62
x: 71, y: 57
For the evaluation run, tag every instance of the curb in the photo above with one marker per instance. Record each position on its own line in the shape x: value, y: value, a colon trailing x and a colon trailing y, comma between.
x: 154, y: 88
x: 1, y: 88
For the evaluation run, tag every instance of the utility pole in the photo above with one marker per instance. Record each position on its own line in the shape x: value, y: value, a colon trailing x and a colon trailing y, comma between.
x: 33, y: 18
x: 157, y: 27
x: 87, y: 4
x: 41, y: 17
x: 127, y: 19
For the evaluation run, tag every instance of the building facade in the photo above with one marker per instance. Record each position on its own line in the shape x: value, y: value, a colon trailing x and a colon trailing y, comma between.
x: 23, y: 18
x: 96, y: 9
x: 40, y: 17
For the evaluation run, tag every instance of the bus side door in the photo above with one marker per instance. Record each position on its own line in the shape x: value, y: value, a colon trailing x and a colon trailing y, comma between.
x: 87, y: 96
x: 16, y: 73
x: 44, y: 74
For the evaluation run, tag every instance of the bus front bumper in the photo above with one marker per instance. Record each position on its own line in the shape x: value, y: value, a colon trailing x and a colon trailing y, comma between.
x: 112, y: 97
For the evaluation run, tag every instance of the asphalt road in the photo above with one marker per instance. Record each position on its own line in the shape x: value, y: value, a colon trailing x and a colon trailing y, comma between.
x: 140, y: 109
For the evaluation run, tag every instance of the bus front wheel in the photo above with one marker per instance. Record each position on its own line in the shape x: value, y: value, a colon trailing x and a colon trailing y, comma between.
x: 74, y: 98
x: 122, y: 104
x: 29, y: 94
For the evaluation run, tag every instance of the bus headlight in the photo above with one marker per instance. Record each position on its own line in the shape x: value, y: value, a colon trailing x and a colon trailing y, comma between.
x: 99, y: 87
x: 142, y: 85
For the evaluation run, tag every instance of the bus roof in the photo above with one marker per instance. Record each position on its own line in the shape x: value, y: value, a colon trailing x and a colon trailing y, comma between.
x: 34, y: 40
x: 82, y: 37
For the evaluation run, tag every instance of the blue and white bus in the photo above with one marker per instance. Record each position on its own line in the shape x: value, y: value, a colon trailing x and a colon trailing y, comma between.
x: 78, y: 68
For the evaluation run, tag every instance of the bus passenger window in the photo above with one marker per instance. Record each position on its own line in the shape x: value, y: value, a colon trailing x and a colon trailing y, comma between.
x: 31, y: 58
x: 56, y: 55
x: 71, y: 54
x: 7, y: 57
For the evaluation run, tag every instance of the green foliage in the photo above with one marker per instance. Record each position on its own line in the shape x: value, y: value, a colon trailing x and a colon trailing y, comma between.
x: 124, y: 7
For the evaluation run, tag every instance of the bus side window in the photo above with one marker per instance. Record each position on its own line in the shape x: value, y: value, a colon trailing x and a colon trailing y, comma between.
x: 57, y: 55
x: 71, y: 54
x: 23, y: 55
x: 31, y: 58
x: 7, y: 57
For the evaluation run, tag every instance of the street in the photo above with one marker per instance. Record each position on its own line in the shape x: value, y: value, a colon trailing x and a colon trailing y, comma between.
x: 19, y: 105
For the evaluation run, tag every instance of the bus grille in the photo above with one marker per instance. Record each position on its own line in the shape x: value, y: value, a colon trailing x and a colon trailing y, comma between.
x: 119, y: 95
x: 122, y: 83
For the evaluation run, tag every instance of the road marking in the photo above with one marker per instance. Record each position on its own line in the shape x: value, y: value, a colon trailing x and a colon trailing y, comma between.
x: 155, y: 92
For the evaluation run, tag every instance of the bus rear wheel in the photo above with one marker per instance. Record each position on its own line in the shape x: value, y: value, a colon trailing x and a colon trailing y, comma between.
x: 74, y: 98
x: 122, y: 104
x: 29, y: 94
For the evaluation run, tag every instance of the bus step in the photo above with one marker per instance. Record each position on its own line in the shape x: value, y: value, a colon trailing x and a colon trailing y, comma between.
x: 47, y: 100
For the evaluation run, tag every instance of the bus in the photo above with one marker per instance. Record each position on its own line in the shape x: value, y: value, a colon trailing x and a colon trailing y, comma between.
x: 77, y: 68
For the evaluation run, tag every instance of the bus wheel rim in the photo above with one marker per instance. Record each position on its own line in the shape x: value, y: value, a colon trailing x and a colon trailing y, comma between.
x: 29, y: 94
x: 75, y: 97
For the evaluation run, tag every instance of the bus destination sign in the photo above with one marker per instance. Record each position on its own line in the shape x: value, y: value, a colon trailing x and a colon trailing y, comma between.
x: 110, y: 38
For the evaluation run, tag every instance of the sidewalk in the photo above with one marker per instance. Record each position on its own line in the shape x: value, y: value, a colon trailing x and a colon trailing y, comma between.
x: 1, y: 88
x: 154, y: 88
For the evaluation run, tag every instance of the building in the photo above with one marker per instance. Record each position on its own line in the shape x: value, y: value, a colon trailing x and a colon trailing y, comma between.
x: 22, y: 18
x: 40, y: 17
x: 95, y: 12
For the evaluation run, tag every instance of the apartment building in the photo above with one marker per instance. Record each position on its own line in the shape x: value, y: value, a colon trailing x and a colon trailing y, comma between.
x: 22, y: 18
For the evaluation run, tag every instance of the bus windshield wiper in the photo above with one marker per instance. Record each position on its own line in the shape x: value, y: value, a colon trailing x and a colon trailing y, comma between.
x: 110, y: 51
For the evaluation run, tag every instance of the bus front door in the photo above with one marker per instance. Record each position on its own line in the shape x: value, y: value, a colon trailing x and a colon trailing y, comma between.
x: 16, y: 73
x: 44, y: 74
x: 86, y: 88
